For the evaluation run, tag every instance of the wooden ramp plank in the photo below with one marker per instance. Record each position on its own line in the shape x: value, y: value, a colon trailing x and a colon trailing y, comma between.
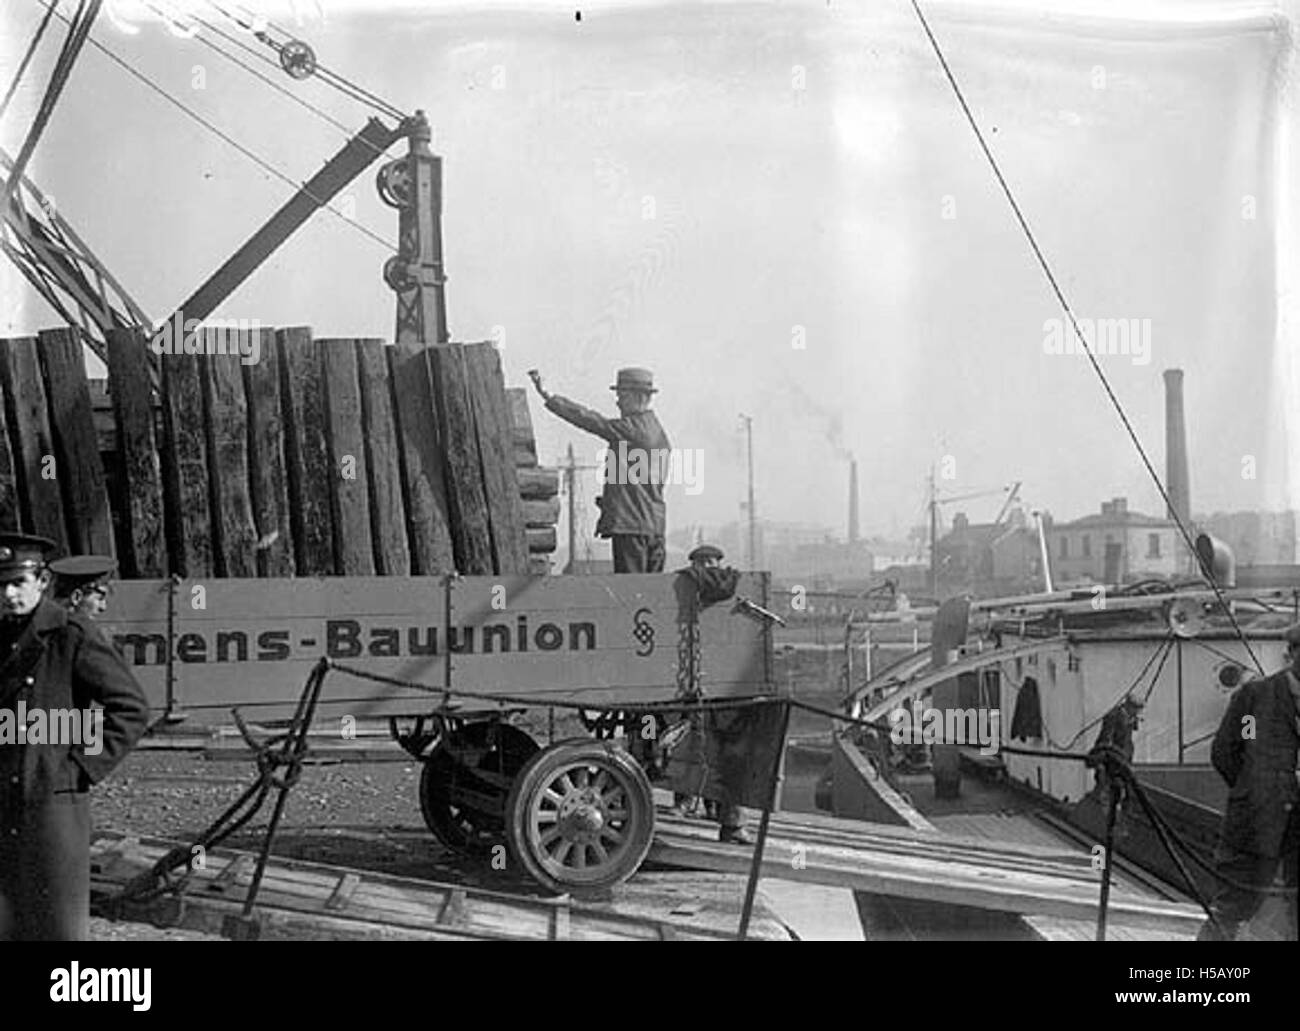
x: 942, y: 878
x: 300, y: 899
x: 131, y: 392
x: 267, y: 473
x: 383, y: 465
x: 40, y: 498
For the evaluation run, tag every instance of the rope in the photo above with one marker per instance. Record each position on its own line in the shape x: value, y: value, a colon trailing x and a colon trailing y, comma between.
x: 1096, y: 366
x: 27, y: 57
x: 251, y: 155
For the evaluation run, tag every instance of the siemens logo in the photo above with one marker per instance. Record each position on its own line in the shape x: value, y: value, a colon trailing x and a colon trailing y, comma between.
x: 349, y: 639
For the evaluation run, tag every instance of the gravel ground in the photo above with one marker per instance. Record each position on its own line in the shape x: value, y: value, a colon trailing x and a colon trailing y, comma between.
x: 363, y: 815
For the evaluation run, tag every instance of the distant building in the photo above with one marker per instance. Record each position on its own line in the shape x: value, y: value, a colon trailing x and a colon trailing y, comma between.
x: 1115, y: 546
x: 986, y: 559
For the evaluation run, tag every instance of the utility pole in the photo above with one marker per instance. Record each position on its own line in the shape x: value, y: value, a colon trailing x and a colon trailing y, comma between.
x: 934, y: 539
x: 571, y: 468
x: 749, y: 507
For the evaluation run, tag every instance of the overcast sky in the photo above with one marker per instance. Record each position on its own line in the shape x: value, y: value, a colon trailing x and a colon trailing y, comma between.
x: 780, y: 209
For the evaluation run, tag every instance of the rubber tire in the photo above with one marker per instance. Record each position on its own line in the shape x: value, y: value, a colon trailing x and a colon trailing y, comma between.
x: 538, y: 775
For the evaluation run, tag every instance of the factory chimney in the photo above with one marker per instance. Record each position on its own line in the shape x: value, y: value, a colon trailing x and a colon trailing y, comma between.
x: 853, y: 501
x: 1176, y: 480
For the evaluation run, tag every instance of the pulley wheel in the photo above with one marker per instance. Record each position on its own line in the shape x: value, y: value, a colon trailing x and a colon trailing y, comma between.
x: 298, y: 59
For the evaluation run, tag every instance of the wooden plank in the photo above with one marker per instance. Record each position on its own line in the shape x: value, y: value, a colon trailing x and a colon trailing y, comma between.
x: 11, y: 519
x: 467, y: 504
x: 493, y: 430
x: 267, y: 471
x: 541, y: 513
x: 424, y: 485
x: 349, y: 479
x: 132, y: 400
x: 41, y: 500
x: 80, y: 469
x: 955, y: 880
x: 538, y: 483
x: 383, y: 462
x: 522, y: 439
x: 234, y: 532
x: 541, y: 539
x: 341, y: 895
x: 306, y: 453
x: 185, y: 467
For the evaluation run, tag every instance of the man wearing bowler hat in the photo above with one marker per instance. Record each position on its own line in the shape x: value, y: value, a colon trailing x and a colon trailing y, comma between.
x: 53, y: 666
x: 636, y: 466
x: 82, y: 583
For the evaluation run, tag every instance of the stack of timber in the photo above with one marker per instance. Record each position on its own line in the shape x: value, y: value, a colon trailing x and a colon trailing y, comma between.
x: 323, y: 457
x: 539, y: 487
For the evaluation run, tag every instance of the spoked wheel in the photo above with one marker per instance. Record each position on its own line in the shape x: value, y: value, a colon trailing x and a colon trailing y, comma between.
x: 466, y: 781
x: 580, y: 816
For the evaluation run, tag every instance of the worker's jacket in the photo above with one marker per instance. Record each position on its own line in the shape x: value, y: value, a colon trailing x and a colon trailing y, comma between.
x: 62, y: 663
x: 1260, y: 771
x: 636, y: 467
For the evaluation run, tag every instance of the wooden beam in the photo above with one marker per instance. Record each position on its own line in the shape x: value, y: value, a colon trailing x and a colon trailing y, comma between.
x: 383, y: 462
x: 493, y: 431
x: 349, y: 479
x: 521, y: 427
x: 422, y: 465
x: 132, y: 399
x: 541, y: 513
x: 538, y: 483
x: 541, y: 539
x: 35, y: 467
x: 307, y: 453
x: 185, y: 467
x: 466, y: 502
x: 235, y: 543
x: 72, y: 418
x: 267, y: 472
x: 11, y: 519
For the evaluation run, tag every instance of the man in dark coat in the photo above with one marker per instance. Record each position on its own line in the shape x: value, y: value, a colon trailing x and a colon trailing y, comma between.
x: 1255, y: 752
x: 53, y: 746
x: 637, y: 464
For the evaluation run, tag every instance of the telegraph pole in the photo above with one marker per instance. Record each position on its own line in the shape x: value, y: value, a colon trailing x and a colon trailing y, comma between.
x: 934, y: 539
x: 749, y: 507
x: 571, y: 468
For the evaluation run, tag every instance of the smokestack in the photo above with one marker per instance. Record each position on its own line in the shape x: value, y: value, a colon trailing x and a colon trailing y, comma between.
x: 1176, y: 479
x: 853, y: 501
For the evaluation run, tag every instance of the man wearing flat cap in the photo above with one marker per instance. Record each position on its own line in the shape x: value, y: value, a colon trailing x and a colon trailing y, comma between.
x: 53, y: 667
x: 82, y: 583
x: 632, y: 511
x: 1255, y: 752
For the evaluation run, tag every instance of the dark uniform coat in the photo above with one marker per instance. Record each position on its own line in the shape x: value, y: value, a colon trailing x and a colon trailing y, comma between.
x: 63, y: 662
x: 633, y: 499
x: 1260, y: 773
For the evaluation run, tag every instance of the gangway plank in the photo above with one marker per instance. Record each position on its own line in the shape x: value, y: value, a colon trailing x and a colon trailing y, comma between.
x: 923, y: 865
